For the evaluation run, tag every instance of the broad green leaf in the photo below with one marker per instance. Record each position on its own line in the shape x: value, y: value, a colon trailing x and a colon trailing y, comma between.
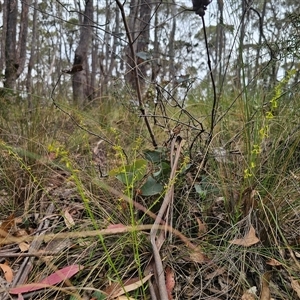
x: 154, y: 156
x: 126, y: 178
x: 151, y: 187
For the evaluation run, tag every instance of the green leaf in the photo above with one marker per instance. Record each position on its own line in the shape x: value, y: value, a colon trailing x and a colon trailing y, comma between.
x: 185, y: 168
x: 129, y: 174
x: 126, y: 178
x: 151, y: 187
x: 98, y: 295
x: 202, y: 193
x: 154, y: 156
x: 163, y: 172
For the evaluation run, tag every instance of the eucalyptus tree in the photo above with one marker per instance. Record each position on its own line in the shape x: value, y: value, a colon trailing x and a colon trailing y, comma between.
x: 15, y: 42
x: 80, y: 79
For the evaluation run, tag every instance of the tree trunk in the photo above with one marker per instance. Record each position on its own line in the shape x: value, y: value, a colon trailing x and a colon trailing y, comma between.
x: 155, y: 59
x: 95, y: 51
x: 32, y: 55
x: 219, y: 49
x: 131, y: 64
x: 220, y: 43
x: 114, y: 46
x: 143, y: 38
x: 21, y: 47
x: 81, y: 89
x: 240, y: 61
x: 3, y: 35
x: 172, y: 69
x: 257, y: 68
x: 15, y: 53
x: 11, y: 65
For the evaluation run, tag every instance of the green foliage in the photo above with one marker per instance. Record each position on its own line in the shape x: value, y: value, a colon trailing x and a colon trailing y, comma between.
x: 132, y: 173
x: 98, y: 295
x: 136, y: 175
x: 151, y: 187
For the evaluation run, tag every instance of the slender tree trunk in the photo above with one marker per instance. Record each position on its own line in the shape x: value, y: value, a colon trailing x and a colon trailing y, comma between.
x: 220, y: 42
x: 11, y: 65
x: 3, y: 36
x: 259, y: 44
x: 143, y: 38
x: 240, y: 62
x: 132, y: 23
x: 155, y: 62
x: 21, y: 47
x: 81, y: 89
x: 32, y: 55
x: 95, y: 51
x: 172, y: 70
x: 106, y: 53
x: 115, y: 41
x: 15, y: 53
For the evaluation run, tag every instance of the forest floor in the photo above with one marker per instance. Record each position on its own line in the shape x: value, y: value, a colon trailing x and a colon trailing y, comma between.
x: 82, y: 201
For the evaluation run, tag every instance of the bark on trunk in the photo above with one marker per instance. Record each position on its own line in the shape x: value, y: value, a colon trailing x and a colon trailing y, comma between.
x: 131, y: 64
x: 21, y: 47
x: 143, y: 39
x: 11, y: 65
x: 32, y: 55
x: 3, y: 37
x: 15, y: 53
x: 81, y: 90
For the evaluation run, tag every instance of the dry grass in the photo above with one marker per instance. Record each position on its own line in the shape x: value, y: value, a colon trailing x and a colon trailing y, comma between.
x: 48, y: 158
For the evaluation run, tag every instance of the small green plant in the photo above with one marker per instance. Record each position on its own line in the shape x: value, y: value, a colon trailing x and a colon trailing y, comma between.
x: 147, y: 176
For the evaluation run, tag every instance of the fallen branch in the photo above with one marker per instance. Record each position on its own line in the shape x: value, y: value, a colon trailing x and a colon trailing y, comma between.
x: 167, y: 200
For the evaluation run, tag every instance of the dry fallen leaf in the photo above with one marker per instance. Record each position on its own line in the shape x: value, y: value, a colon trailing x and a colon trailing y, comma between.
x: 8, y: 273
x: 296, y: 286
x: 250, y: 294
x: 115, y: 290
x: 197, y: 256
x: 170, y: 282
x: 273, y: 262
x: 8, y: 223
x: 6, y: 226
x: 55, y: 278
x: 23, y: 246
x: 249, y: 239
x: 133, y: 286
x: 265, y: 290
x: 202, y: 228
x: 3, y: 234
x: 68, y: 220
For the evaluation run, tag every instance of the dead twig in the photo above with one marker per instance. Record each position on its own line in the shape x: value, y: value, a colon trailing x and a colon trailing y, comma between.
x: 167, y: 200
x: 23, y: 254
